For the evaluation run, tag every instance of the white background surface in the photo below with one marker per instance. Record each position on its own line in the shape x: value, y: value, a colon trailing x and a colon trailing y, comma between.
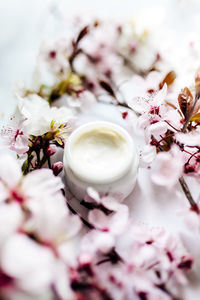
x: 23, y: 25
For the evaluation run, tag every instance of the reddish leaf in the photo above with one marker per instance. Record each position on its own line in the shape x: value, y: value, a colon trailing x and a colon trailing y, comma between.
x: 185, y: 100
x: 168, y: 79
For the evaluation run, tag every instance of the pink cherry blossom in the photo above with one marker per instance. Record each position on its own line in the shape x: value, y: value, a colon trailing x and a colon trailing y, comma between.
x: 34, y: 206
x: 138, y: 86
x: 190, y: 218
x: 15, y: 139
x: 147, y: 155
x: 39, y: 118
x: 143, y: 260
x: 113, y: 219
x: 156, y: 129
x: 11, y: 218
x: 147, y: 104
x: 21, y: 256
x: 54, y: 54
x: 167, y: 168
x: 102, y: 241
x: 189, y: 139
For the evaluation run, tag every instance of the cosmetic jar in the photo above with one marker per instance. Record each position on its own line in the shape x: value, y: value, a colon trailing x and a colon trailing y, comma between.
x: 101, y: 155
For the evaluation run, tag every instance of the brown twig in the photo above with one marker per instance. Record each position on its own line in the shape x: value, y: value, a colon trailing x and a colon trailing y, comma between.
x: 186, y: 191
x: 123, y: 104
x: 85, y: 222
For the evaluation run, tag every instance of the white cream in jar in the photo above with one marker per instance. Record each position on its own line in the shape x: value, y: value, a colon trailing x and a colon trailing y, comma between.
x: 102, y: 155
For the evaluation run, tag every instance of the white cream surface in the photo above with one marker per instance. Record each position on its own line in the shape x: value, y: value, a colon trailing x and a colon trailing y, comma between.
x: 100, y: 153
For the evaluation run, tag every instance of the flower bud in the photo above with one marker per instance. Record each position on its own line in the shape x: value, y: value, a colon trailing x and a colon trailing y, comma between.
x: 51, y: 150
x: 57, y: 167
x: 85, y: 259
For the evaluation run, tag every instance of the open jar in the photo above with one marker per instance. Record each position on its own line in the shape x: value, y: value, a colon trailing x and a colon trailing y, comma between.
x: 101, y: 155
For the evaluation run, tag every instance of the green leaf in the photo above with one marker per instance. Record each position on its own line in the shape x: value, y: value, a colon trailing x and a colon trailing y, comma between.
x: 196, y: 117
x: 25, y: 167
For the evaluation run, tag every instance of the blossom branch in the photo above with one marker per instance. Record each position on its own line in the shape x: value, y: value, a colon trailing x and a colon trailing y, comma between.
x: 90, y: 226
x: 186, y: 191
x: 131, y: 67
x: 182, y: 181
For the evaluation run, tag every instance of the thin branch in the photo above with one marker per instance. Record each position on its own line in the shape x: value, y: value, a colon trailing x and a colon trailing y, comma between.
x: 85, y: 222
x: 171, y: 126
x: 131, y: 67
x: 123, y: 104
x: 187, y: 192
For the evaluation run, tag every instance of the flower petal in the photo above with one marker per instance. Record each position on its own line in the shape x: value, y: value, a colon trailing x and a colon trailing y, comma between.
x: 41, y: 182
x: 27, y: 261
x: 10, y: 172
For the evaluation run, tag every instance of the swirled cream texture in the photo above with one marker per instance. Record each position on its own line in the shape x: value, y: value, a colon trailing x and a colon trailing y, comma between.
x: 100, y: 153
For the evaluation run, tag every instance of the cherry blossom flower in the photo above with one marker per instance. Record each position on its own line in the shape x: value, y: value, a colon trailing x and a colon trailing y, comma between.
x: 108, y: 215
x: 155, y: 250
x: 147, y: 155
x: 52, y: 230
x: 35, y: 218
x: 137, y: 46
x: 55, y: 53
x: 102, y: 242
x: 151, y: 110
x: 15, y: 139
x: 167, y: 168
x: 82, y: 102
x: 188, y: 139
x: 11, y: 218
x: 27, y: 258
x: 145, y: 262
x: 139, y: 86
x: 190, y: 217
x: 18, y: 188
x: 40, y: 118
x: 149, y: 105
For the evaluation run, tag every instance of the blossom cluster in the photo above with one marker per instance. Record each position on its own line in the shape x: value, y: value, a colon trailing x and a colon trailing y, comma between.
x: 37, y: 244
x: 43, y: 254
x: 47, y: 249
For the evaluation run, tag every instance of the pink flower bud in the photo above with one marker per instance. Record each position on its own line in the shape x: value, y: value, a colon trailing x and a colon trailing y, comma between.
x: 57, y: 167
x: 85, y: 259
x: 51, y: 150
x: 52, y: 54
